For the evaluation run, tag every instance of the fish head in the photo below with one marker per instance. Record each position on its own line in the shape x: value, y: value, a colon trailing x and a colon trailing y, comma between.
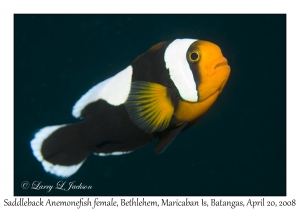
x: 212, y: 68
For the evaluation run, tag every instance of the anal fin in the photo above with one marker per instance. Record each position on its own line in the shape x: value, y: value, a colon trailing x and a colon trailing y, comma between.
x: 166, y: 139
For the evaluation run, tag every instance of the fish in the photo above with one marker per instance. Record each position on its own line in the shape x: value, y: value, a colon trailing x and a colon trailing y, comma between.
x: 163, y: 92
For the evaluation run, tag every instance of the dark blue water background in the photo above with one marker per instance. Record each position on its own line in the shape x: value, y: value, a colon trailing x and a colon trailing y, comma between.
x: 237, y: 148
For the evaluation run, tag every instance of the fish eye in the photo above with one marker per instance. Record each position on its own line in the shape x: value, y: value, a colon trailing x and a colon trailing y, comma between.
x: 194, y: 56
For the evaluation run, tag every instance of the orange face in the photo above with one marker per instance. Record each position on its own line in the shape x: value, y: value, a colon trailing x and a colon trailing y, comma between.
x: 213, y: 71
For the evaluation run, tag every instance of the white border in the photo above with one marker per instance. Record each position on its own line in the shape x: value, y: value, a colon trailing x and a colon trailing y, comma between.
x: 8, y: 8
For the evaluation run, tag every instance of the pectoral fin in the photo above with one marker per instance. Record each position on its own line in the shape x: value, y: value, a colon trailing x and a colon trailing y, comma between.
x: 149, y: 106
x: 166, y: 139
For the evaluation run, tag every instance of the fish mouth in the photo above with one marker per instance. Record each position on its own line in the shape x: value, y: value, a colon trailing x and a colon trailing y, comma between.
x: 221, y: 62
x: 218, y: 64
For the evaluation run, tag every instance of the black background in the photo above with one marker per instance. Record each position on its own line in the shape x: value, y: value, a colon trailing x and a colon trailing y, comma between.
x: 237, y: 148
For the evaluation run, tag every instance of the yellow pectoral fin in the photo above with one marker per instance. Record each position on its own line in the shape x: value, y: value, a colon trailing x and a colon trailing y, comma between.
x: 149, y: 106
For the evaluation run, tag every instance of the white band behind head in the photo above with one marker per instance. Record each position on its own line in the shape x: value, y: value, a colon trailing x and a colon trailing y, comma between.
x: 179, y: 69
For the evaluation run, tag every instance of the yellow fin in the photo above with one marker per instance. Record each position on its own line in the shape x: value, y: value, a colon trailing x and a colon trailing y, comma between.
x: 149, y: 106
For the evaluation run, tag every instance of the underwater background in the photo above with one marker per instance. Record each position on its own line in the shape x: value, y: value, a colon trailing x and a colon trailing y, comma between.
x: 237, y: 149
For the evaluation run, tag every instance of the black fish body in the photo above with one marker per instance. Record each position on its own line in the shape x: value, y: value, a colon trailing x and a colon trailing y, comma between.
x: 162, y: 92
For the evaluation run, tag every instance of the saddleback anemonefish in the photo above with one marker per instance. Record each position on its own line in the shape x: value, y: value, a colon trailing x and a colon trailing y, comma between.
x: 162, y: 92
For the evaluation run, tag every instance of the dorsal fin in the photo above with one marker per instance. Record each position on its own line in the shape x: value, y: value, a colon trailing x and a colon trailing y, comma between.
x: 149, y: 106
x: 113, y: 90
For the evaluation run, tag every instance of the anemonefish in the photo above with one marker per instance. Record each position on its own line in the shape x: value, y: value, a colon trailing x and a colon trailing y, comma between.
x: 164, y: 91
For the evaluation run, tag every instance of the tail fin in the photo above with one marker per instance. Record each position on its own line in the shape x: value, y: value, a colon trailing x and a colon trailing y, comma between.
x: 60, y: 149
